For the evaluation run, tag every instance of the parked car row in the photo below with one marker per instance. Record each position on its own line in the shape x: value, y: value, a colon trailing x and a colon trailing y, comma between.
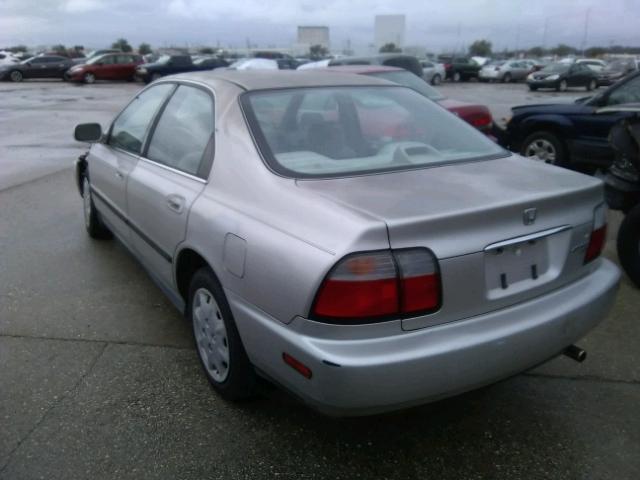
x: 105, y: 65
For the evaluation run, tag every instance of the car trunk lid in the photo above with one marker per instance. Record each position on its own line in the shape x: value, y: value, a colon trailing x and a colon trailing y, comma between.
x: 503, y: 230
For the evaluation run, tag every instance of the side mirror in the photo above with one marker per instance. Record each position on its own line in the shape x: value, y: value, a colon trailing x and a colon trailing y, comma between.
x: 88, y: 132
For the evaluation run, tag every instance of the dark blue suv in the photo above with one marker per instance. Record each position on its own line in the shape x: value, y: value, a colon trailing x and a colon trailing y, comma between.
x: 573, y: 135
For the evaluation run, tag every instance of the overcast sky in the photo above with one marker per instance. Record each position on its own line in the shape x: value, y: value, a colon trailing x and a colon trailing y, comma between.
x: 438, y: 25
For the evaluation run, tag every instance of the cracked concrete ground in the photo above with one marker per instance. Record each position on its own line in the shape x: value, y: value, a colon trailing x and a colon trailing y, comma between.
x: 99, y: 378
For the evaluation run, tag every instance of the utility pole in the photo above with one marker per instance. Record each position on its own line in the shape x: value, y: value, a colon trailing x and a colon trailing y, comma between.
x: 586, y: 29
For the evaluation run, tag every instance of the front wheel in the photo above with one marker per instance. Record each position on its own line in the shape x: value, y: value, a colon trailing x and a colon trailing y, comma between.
x: 592, y: 85
x: 629, y: 245
x: 457, y: 77
x: 155, y: 76
x: 89, y: 78
x: 222, y: 355
x: 506, y: 78
x: 544, y: 147
x: 562, y: 86
x: 436, y: 79
x: 533, y: 88
x: 16, y: 76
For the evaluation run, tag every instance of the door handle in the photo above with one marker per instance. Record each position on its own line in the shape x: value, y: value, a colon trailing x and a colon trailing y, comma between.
x: 119, y: 174
x: 175, y: 203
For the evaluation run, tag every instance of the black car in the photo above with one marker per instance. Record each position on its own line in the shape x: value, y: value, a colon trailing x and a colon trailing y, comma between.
x: 407, y: 62
x: 44, y: 66
x: 561, y: 76
x: 165, y: 65
x: 616, y: 70
x: 459, y: 68
x: 572, y: 135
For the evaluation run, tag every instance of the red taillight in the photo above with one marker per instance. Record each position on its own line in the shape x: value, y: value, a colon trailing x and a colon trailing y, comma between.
x: 370, y: 286
x: 598, y: 235
x: 480, y: 120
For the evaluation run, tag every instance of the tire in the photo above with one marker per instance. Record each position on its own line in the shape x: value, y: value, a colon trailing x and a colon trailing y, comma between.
x: 562, y: 86
x: 95, y: 228
x: 89, y: 78
x: 592, y: 85
x: 545, y: 147
x: 629, y: 245
x: 154, y: 77
x: 533, y: 88
x: 227, y: 367
x: 457, y: 77
x: 436, y: 79
x: 506, y: 78
x: 16, y: 76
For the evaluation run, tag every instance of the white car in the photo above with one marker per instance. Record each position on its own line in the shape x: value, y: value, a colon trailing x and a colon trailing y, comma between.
x: 8, y: 58
x: 593, y: 63
x: 432, y: 72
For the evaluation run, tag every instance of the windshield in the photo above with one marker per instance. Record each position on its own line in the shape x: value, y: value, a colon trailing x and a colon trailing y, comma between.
x: 408, y: 79
x: 343, y: 131
x: 30, y: 59
x: 495, y: 63
x: 163, y: 59
x: 555, y: 68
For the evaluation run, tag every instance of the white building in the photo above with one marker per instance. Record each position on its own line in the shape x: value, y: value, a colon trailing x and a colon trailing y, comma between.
x: 389, y: 29
x: 313, y: 36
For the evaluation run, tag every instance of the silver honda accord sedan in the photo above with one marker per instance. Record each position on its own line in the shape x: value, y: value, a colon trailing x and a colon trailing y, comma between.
x: 345, y: 237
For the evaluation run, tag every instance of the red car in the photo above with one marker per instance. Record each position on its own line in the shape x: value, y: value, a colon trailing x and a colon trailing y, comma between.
x: 110, y: 66
x: 477, y: 115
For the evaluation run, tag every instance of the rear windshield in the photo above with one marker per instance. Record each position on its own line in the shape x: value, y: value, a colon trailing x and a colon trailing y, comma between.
x: 343, y: 131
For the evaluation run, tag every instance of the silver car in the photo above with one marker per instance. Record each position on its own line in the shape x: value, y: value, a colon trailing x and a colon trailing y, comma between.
x: 346, y: 237
x: 505, y: 71
x: 433, y: 72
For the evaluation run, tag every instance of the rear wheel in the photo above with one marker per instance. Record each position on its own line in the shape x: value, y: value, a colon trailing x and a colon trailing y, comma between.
x: 533, y: 88
x: 436, y: 79
x: 544, y: 147
x: 592, y: 85
x: 92, y: 222
x: 562, y: 86
x: 629, y: 245
x: 16, y: 76
x: 457, y: 77
x: 222, y: 355
x: 89, y: 78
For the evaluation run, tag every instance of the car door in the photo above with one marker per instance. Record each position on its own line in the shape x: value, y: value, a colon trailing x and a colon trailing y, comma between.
x: 169, y: 177
x: 36, y: 68
x: 110, y: 162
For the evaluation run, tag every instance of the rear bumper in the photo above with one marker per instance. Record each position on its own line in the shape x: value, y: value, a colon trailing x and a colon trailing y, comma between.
x: 360, y: 376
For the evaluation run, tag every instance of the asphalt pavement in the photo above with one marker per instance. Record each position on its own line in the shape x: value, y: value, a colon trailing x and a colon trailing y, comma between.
x: 99, y: 378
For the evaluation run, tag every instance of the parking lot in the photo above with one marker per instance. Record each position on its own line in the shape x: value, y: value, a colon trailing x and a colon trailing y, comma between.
x: 100, y: 378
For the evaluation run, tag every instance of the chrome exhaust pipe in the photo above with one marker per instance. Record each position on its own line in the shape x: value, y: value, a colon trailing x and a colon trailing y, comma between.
x: 576, y: 353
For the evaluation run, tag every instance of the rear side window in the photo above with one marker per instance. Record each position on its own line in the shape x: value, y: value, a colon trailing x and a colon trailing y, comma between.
x: 130, y: 128
x: 184, y: 130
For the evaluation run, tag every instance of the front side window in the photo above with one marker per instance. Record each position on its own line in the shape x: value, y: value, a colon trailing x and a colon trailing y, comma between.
x: 628, y: 92
x: 344, y: 131
x: 184, y: 130
x: 129, y: 129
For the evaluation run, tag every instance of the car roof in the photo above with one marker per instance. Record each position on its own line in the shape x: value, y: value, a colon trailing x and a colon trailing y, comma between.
x: 363, y: 69
x: 272, y: 79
